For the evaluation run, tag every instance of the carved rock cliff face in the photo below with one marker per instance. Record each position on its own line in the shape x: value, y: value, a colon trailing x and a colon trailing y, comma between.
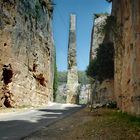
x: 100, y: 92
x: 127, y: 55
x: 97, y: 36
x: 26, y: 52
x: 103, y: 93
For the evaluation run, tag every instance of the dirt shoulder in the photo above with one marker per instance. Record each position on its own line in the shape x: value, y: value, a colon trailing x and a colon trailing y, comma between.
x: 102, y: 124
x: 5, y: 111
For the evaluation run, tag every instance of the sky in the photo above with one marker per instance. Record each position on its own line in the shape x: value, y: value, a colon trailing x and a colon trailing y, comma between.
x: 84, y: 10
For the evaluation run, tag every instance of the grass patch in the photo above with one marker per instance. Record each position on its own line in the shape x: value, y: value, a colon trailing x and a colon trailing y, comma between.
x: 101, y: 124
x: 129, y: 119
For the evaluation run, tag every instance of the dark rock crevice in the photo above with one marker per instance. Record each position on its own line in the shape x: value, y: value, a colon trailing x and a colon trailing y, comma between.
x: 6, y: 95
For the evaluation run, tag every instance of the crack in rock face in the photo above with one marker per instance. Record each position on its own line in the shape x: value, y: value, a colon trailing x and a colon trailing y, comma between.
x: 7, y: 96
x: 7, y: 74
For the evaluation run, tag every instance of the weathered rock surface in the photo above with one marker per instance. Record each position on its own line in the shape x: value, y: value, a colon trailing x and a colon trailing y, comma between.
x: 101, y: 93
x: 72, y: 77
x: 127, y: 55
x: 26, y: 47
x: 97, y: 36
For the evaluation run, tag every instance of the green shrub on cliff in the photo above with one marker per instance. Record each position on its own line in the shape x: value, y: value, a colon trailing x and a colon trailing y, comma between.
x: 109, y: 1
x: 100, y: 15
x: 82, y: 78
x: 102, y: 67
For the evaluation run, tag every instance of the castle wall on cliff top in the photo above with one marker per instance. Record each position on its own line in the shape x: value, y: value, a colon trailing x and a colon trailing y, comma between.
x: 26, y: 52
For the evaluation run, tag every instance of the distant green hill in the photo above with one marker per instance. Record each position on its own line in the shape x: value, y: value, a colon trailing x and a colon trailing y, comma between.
x: 82, y: 78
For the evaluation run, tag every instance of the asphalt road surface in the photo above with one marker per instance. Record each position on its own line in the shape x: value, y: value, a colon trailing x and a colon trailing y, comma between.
x: 17, y: 125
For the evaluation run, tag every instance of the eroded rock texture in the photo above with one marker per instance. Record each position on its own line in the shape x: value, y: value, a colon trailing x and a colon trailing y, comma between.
x: 26, y: 52
x: 127, y: 55
x: 103, y: 92
x: 97, y: 36
x: 72, y: 77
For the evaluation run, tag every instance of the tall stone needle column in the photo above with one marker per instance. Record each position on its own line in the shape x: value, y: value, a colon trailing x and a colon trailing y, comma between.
x: 72, y: 76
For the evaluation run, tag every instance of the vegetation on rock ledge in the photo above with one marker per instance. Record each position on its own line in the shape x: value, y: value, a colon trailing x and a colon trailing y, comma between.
x: 100, y: 14
x: 102, y: 67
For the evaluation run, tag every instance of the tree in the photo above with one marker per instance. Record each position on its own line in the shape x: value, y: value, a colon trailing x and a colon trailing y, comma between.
x: 102, y: 67
x: 62, y: 77
x: 82, y: 78
x: 92, y: 68
x: 101, y: 14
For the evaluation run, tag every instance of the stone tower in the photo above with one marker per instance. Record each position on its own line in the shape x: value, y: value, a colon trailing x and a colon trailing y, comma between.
x: 72, y: 76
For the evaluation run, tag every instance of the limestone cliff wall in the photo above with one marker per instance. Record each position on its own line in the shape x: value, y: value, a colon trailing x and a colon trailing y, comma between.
x: 104, y: 92
x: 97, y: 36
x: 127, y: 55
x: 100, y: 92
x: 26, y: 52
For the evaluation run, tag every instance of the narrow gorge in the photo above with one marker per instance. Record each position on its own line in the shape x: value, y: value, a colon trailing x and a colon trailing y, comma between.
x: 69, y: 70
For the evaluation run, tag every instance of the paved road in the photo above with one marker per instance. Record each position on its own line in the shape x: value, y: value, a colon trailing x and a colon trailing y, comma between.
x: 14, y: 126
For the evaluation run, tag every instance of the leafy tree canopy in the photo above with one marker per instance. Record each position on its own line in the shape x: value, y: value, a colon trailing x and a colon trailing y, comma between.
x: 82, y: 78
x: 102, y: 67
x: 100, y: 14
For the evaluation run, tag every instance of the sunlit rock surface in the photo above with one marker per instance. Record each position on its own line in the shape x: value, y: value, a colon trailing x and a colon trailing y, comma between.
x: 127, y: 55
x: 97, y: 36
x: 72, y: 77
x: 26, y: 47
